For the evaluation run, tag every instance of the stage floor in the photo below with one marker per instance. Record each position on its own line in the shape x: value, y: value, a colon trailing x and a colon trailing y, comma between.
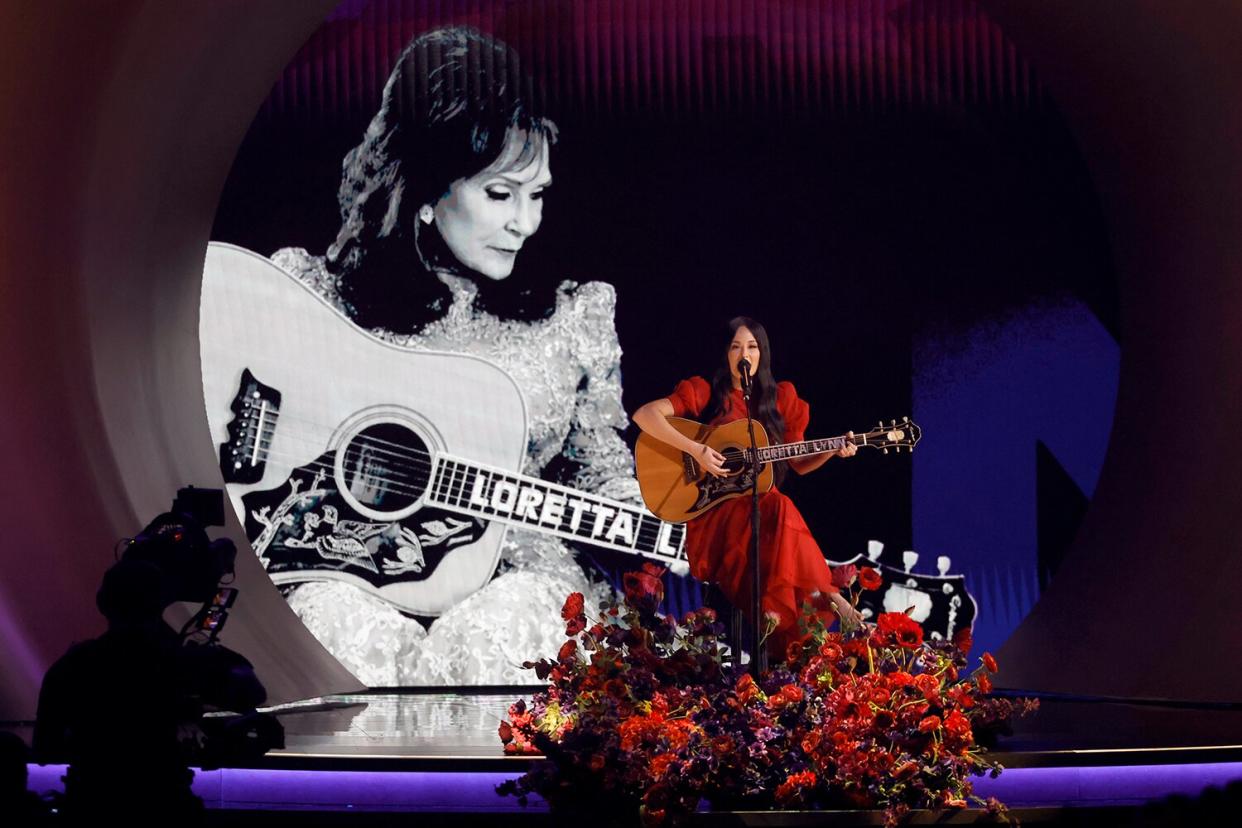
x: 438, y: 752
x: 430, y: 729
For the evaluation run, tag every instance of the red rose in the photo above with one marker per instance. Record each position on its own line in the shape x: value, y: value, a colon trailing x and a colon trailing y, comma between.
x: 957, y: 725
x: 573, y: 606
x: 929, y: 724
x: 644, y: 589
x: 990, y: 662
x: 843, y: 576
x: 870, y: 578
x: 929, y: 686
x: 900, y: 678
x: 831, y: 651
x: 792, y: 693
x: 747, y: 690
x: 905, y: 769
x: 794, y: 787
x: 660, y: 764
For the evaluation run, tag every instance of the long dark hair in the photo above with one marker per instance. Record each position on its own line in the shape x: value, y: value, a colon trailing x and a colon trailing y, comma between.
x: 763, y: 385
x: 448, y: 109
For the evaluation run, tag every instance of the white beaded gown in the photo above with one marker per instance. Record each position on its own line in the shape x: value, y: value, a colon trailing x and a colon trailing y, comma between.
x: 568, y: 368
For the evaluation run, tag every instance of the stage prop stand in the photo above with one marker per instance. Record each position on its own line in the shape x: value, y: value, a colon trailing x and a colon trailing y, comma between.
x: 758, y: 653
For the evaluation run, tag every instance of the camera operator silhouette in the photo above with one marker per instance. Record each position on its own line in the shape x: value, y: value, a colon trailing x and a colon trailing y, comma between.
x: 125, y: 710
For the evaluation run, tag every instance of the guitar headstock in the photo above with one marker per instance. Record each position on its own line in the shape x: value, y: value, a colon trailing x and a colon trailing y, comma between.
x: 898, y: 434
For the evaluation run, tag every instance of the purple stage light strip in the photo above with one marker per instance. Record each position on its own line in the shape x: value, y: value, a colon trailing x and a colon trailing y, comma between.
x: 466, y: 792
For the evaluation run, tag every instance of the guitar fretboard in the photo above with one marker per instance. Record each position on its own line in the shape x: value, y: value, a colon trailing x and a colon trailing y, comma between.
x: 785, y: 451
x: 517, y: 500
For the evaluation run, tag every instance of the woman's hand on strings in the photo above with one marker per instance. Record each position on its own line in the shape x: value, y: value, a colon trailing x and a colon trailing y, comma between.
x: 711, y: 460
x: 849, y: 449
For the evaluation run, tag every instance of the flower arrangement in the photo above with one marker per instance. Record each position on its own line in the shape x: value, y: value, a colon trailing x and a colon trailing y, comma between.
x: 646, y: 712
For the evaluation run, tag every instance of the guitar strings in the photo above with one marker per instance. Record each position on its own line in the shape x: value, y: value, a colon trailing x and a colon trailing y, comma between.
x: 421, y: 462
x: 406, y: 452
x: 644, y: 532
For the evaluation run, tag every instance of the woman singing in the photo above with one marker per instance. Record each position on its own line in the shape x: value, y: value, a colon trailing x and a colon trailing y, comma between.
x: 437, y: 202
x: 718, y: 541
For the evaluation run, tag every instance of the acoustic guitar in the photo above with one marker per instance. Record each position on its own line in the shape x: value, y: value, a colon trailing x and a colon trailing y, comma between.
x: 349, y: 458
x: 676, y: 489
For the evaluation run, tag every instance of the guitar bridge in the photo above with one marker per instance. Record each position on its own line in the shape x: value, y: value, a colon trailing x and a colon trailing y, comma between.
x: 691, y: 467
x: 243, y: 457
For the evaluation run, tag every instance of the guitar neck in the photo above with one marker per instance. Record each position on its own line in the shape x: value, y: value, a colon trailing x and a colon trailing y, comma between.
x: 807, y: 448
x: 494, y: 494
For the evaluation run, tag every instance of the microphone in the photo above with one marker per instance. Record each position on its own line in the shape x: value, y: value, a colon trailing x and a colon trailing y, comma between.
x: 743, y: 368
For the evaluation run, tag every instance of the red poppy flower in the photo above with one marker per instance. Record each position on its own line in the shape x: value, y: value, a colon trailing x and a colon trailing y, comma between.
x: 929, y: 724
x: 985, y: 683
x: 575, y: 625
x: 961, y: 696
x: 900, y: 629
x: 573, y: 606
x: 963, y: 639
x: 567, y: 650
x: 989, y: 661
x: 870, y: 578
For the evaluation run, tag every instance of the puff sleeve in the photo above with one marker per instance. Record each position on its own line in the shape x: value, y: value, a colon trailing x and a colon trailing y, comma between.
x: 795, y: 411
x: 690, y: 397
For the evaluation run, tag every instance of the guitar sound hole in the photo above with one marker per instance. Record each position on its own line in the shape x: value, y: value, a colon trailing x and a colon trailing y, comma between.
x: 734, y: 460
x: 386, y: 467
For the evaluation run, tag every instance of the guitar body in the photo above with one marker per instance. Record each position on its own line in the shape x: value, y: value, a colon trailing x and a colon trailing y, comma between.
x: 329, y: 439
x: 677, y: 489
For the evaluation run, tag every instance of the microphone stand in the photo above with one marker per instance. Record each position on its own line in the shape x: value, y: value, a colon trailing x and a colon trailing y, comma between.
x: 758, y: 652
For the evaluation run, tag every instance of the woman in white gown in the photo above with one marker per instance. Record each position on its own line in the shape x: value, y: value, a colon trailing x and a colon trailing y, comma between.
x: 436, y: 203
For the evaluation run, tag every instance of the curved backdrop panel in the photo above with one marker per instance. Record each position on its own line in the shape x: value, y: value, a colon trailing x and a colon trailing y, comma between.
x: 890, y: 186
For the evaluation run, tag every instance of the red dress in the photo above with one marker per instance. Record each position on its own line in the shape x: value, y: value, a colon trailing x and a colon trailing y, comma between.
x: 718, y: 541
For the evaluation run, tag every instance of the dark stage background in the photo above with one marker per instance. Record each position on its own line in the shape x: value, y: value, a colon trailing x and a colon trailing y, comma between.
x: 925, y: 221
